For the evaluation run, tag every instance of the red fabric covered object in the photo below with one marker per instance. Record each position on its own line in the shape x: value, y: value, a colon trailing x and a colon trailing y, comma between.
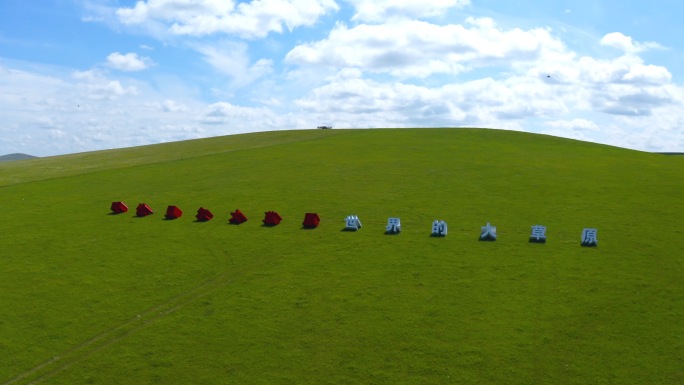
x: 311, y: 220
x: 237, y: 217
x: 173, y: 212
x: 143, y: 210
x: 204, y: 215
x: 272, y: 218
x: 119, y: 207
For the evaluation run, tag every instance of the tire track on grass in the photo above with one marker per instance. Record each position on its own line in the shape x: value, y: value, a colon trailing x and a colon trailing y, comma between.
x: 88, y: 348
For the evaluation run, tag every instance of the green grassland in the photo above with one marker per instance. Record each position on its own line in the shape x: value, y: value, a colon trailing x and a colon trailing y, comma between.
x: 92, y: 298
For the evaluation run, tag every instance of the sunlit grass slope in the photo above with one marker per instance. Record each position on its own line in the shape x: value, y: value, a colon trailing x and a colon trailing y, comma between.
x: 88, y: 297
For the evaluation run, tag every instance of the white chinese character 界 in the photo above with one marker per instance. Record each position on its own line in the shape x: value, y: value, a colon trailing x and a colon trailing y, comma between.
x: 538, y: 234
x: 393, y: 226
x: 589, y: 237
x: 352, y: 223
x: 488, y: 233
x: 439, y: 229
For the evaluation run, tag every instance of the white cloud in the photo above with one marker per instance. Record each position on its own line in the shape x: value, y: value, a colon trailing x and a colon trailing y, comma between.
x: 128, y: 62
x: 172, y: 106
x: 574, y: 124
x: 95, y: 85
x: 254, y: 19
x: 626, y: 44
x: 412, y: 48
x: 381, y: 10
x: 232, y: 60
x: 227, y: 113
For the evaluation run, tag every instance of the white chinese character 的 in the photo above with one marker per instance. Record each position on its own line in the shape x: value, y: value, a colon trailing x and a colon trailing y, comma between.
x: 439, y: 229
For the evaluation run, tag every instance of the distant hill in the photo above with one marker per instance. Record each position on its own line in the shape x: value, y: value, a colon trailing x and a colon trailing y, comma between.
x: 17, y: 156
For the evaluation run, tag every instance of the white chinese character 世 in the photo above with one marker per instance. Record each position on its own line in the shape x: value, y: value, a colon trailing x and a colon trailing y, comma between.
x: 352, y: 223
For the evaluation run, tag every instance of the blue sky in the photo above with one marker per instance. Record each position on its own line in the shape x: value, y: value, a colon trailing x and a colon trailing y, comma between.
x: 83, y: 75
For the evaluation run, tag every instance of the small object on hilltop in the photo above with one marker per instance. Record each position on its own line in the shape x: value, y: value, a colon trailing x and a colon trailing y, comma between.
x: 173, y: 212
x: 393, y: 226
x: 143, y: 210
x: 204, y: 215
x: 119, y: 207
x: 272, y: 218
x: 488, y: 233
x: 352, y: 223
x: 589, y: 237
x: 311, y: 220
x: 237, y: 217
x: 324, y: 127
x: 538, y: 234
x: 439, y: 229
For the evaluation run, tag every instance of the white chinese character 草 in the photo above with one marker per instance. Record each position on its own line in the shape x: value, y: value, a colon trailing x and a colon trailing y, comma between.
x: 538, y: 234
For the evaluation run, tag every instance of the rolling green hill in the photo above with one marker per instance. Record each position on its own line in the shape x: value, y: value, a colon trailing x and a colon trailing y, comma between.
x: 87, y: 297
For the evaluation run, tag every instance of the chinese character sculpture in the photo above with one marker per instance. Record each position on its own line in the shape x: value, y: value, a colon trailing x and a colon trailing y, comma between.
x: 119, y: 207
x: 538, y: 234
x: 393, y: 226
x: 173, y: 212
x: 272, y: 218
x: 203, y: 215
x: 439, y: 229
x: 237, y: 217
x: 311, y: 220
x: 352, y: 223
x: 143, y: 210
x: 488, y: 233
x: 589, y: 237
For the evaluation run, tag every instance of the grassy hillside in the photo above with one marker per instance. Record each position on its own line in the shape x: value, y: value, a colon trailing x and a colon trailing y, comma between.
x: 88, y: 297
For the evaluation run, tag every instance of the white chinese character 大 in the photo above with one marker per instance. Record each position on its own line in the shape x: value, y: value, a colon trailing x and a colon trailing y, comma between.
x: 488, y: 233
x: 538, y: 234
x: 439, y: 229
x: 589, y: 238
x: 352, y: 223
x: 393, y: 226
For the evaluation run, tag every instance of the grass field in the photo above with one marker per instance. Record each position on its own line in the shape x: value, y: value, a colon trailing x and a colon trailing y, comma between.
x: 92, y: 298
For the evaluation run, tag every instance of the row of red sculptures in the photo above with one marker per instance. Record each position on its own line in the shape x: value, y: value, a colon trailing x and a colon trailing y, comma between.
x: 271, y: 218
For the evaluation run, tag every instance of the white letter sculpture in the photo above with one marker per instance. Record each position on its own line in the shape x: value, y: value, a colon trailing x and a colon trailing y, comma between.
x: 589, y: 237
x: 439, y: 229
x: 393, y: 226
x: 488, y: 233
x: 352, y: 223
x: 538, y: 234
